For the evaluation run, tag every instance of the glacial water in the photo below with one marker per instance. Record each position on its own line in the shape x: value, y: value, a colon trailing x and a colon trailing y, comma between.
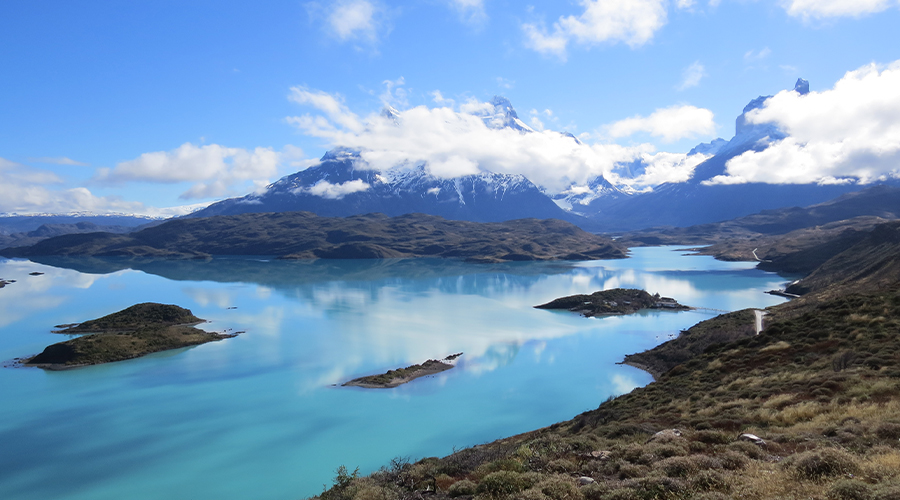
x: 259, y: 416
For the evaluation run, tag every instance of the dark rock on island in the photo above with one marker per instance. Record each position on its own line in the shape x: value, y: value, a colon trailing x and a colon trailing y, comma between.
x: 133, y: 332
x: 615, y: 301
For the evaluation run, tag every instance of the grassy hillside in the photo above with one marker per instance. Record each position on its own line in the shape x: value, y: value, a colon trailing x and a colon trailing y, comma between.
x: 819, y: 387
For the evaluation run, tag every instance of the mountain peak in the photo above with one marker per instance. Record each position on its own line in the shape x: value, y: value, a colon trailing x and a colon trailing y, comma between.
x: 503, y: 115
x: 801, y: 87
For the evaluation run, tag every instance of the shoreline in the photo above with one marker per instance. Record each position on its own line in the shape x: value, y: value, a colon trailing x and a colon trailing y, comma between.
x: 653, y: 373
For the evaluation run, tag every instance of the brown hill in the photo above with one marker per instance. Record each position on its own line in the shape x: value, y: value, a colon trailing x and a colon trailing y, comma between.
x: 303, y: 235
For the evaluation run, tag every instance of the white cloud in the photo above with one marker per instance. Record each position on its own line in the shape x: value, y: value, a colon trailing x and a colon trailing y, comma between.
x: 757, y: 55
x: 852, y: 130
x: 692, y: 75
x: 453, y: 142
x: 470, y: 12
x: 633, y: 22
x: 59, y: 160
x: 27, y: 190
x: 439, y: 98
x: 836, y: 8
x: 669, y: 124
x: 214, y: 169
x: 331, y: 191
x: 504, y: 83
x: 354, y: 19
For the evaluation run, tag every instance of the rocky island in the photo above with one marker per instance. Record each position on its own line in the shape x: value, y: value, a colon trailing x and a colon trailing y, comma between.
x: 394, y: 378
x: 133, y: 332
x: 615, y: 301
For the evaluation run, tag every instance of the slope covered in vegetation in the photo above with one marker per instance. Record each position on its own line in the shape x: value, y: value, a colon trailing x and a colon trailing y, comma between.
x: 808, y: 408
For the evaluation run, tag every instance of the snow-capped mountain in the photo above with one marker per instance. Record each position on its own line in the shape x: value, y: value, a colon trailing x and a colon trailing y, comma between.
x: 577, y: 198
x: 341, y: 185
x: 502, y: 115
x: 693, y: 202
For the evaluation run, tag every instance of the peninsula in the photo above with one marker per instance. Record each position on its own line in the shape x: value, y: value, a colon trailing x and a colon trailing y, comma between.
x: 615, y: 301
x: 394, y: 378
x: 133, y: 332
x: 304, y: 235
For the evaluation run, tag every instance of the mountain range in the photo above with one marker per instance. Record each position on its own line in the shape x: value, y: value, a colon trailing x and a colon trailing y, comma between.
x: 343, y: 184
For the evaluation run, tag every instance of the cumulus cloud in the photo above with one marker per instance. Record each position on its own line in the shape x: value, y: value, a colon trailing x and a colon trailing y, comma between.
x: 59, y: 160
x: 633, y: 22
x: 669, y: 124
x: 331, y: 191
x: 851, y: 131
x: 363, y: 22
x: 692, y: 75
x: 470, y: 12
x: 455, y: 141
x: 27, y: 190
x: 836, y: 8
x: 215, y: 170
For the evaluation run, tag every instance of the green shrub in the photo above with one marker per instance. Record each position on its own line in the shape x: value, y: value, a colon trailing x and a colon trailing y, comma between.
x: 749, y: 449
x: 372, y: 492
x: 708, y: 480
x: 827, y: 462
x: 628, y: 471
x: 464, y: 487
x: 732, y: 460
x: 677, y: 466
x: 499, y: 484
x: 849, y: 490
x: 713, y: 437
x: 656, y: 488
x: 562, y: 465
x: 622, y: 494
x: 509, y: 464
x: 595, y: 491
x: 530, y: 494
x: 559, y: 487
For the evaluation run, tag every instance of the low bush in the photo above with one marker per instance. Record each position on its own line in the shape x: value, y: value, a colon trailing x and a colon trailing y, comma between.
x: 708, y: 480
x: 849, y: 490
x: 499, y: 484
x: 826, y: 462
x: 559, y: 487
x: 461, y: 488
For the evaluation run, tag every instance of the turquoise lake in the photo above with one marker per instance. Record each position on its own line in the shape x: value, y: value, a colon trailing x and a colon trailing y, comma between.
x: 260, y: 416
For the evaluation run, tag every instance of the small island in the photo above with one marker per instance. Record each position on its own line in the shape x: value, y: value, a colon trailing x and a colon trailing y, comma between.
x: 130, y: 333
x: 394, y: 378
x: 615, y: 301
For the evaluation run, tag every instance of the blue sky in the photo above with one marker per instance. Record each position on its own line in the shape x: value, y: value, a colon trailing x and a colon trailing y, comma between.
x: 141, y: 105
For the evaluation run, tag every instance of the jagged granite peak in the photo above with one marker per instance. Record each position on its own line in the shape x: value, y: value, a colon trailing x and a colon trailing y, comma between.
x: 572, y: 136
x: 342, y: 184
x: 390, y: 113
x: 801, y: 87
x: 708, y: 148
x: 503, y: 115
x: 579, y: 196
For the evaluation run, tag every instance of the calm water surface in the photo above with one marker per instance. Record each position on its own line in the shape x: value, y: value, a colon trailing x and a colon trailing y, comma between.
x: 259, y: 416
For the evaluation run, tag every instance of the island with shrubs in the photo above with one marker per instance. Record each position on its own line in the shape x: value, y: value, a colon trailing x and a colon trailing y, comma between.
x: 130, y: 333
